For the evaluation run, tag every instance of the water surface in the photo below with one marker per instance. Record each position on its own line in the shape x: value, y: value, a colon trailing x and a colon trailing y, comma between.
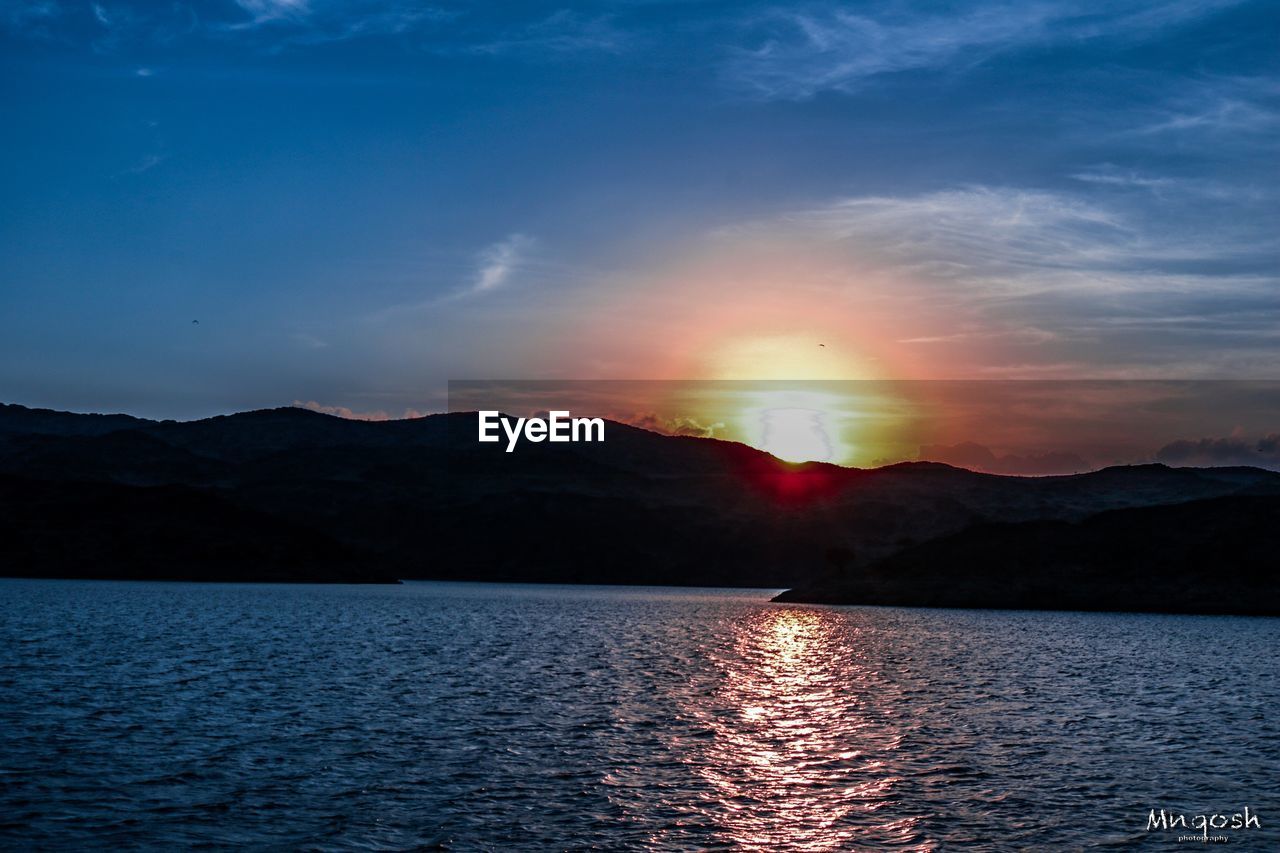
x: 480, y: 716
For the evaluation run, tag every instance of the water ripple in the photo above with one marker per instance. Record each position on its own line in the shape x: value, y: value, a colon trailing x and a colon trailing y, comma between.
x: 478, y: 717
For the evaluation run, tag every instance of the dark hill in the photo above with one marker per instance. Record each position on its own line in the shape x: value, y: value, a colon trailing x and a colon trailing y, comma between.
x: 20, y: 420
x: 129, y: 457
x: 424, y: 497
x: 1209, y: 556
x: 100, y: 530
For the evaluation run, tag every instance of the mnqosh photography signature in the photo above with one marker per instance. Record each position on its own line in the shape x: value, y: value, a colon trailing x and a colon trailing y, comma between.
x: 1203, y: 828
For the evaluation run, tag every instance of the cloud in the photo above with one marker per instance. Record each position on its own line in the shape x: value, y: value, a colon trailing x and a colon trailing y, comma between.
x: 804, y: 53
x: 1230, y: 450
x: 998, y: 240
x: 30, y: 19
x: 826, y: 47
x: 679, y: 425
x: 1088, y: 280
x: 344, y: 412
x: 498, y: 263
x: 1113, y: 176
x: 146, y: 164
x: 275, y: 25
x: 976, y: 457
x: 1026, y: 335
x: 495, y: 266
x: 302, y: 339
x: 1236, y: 110
x: 562, y: 32
x: 118, y: 24
x: 269, y: 25
x: 272, y: 26
x: 265, y: 11
x: 1168, y: 188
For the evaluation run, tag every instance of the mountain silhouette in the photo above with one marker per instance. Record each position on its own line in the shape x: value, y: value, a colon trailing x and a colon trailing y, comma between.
x: 1207, y: 556
x: 316, y: 497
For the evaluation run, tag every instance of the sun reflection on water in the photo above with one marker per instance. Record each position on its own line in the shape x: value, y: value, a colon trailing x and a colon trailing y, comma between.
x: 796, y: 750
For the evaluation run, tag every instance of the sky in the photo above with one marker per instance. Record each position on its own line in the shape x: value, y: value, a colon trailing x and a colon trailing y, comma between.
x: 1000, y: 426
x: 216, y: 206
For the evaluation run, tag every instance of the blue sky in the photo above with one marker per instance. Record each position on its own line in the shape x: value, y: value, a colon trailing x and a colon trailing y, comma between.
x: 360, y: 200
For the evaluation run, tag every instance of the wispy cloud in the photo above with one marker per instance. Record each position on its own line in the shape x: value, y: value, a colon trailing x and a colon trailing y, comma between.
x: 562, y: 32
x: 498, y: 263
x: 1103, y: 282
x: 351, y: 415
x: 307, y: 341
x: 1024, y: 335
x: 275, y: 25
x: 1234, y: 109
x: 1181, y: 189
x: 109, y: 26
x: 991, y: 238
x: 1002, y: 241
x: 493, y: 269
x: 1235, y: 449
x: 29, y: 18
x: 146, y: 164
x: 278, y: 24
x: 118, y: 26
x: 799, y: 53
x: 1114, y: 176
x: 677, y: 425
x: 265, y: 11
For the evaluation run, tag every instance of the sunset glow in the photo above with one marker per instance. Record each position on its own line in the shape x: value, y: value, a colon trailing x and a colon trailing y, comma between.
x: 795, y: 356
x: 639, y: 425
x: 796, y: 426
x: 780, y: 720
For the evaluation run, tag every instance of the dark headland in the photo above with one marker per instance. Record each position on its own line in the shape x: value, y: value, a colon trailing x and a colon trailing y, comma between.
x: 293, y: 495
x: 1207, y: 556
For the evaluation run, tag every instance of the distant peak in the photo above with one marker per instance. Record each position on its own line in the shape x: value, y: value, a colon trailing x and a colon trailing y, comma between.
x: 298, y: 412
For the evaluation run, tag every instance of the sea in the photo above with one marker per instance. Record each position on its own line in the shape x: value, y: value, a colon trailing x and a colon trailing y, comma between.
x: 467, y: 716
